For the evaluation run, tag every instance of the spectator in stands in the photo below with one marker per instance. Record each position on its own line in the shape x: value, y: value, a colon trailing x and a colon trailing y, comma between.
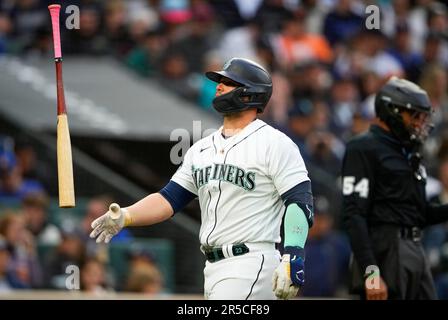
x: 294, y: 45
x: 437, y: 18
x: 93, y: 277
x: 372, y: 46
x: 240, y: 41
x: 344, y: 100
x: 300, y: 125
x: 145, y: 57
x: 364, y: 114
x: 175, y: 75
x: 326, y: 151
x: 342, y: 22
x: 232, y: 13
x: 25, y: 263
x: 315, y: 13
x: 310, y: 80
x: 435, y: 49
x: 175, y: 11
x: 31, y: 166
x: 395, y: 13
x: 175, y: 16
x: 5, y: 30
x: 35, y: 212
x: 369, y: 83
x: 197, y: 38
x: 202, y: 10
x: 13, y: 186
x: 27, y: 16
x: 434, y: 79
x: 88, y: 39
x: 362, y: 119
x: 40, y: 46
x: 272, y: 14
x: 367, y: 52
x: 115, y: 28
x: 142, y: 19
x: 321, y: 114
x: 144, y: 279
x: 8, y: 280
x: 144, y: 274
x: 401, y: 50
x: 70, y: 251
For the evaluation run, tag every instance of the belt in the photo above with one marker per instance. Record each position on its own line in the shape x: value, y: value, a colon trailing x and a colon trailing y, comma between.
x: 411, y: 233
x: 214, y: 254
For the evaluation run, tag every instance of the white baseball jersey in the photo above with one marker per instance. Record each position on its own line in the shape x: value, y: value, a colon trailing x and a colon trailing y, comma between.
x: 239, y: 181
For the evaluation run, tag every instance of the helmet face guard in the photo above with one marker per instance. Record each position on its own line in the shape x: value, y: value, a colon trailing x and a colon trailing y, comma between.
x: 421, y: 126
x: 398, y: 96
x: 230, y: 102
x: 254, y: 91
x: 411, y: 135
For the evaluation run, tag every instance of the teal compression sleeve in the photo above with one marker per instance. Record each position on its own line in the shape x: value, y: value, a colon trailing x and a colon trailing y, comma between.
x: 295, y: 226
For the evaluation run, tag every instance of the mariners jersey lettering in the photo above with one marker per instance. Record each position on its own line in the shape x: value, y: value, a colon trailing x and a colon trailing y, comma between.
x: 239, y: 181
x: 224, y: 172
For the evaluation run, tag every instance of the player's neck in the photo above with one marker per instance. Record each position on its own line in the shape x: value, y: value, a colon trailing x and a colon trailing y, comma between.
x: 235, y: 122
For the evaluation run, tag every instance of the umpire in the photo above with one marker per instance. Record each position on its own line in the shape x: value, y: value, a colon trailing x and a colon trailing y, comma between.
x: 384, y: 201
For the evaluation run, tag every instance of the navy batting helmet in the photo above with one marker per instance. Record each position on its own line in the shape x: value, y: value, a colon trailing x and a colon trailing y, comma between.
x: 399, y: 95
x: 254, y: 90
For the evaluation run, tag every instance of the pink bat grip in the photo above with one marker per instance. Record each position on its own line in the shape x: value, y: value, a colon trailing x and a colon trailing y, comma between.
x: 54, y: 12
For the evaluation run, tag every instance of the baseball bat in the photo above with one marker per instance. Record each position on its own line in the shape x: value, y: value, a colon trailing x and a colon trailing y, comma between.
x: 64, y: 150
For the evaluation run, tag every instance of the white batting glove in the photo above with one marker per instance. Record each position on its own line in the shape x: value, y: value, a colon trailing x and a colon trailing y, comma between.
x: 283, y: 285
x: 109, y: 224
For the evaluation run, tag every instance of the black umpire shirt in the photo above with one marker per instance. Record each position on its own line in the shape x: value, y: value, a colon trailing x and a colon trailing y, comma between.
x: 380, y: 187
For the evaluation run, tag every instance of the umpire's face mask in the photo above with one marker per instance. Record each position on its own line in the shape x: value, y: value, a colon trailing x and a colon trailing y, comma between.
x: 418, y: 124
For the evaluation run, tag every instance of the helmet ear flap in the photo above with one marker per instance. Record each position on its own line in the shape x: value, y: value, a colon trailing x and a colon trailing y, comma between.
x: 385, y: 109
x: 390, y: 114
x: 382, y: 110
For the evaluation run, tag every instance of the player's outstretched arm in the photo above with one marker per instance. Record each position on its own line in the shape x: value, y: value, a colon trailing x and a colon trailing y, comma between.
x: 149, y: 210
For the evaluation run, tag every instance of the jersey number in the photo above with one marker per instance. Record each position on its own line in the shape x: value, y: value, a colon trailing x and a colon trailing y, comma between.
x: 349, y: 186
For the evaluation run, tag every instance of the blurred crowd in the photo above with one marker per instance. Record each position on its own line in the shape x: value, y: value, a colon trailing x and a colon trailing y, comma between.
x: 325, y: 64
x: 38, y: 253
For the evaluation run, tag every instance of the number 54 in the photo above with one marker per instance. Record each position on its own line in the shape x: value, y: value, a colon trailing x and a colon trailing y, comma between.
x: 349, y: 186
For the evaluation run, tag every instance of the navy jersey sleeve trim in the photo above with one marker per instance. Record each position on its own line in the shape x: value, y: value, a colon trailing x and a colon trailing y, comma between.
x: 302, y: 195
x: 176, y: 195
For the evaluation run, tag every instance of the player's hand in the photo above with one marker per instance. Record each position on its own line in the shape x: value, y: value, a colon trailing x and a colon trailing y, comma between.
x: 379, y: 293
x: 290, y: 274
x: 109, y: 224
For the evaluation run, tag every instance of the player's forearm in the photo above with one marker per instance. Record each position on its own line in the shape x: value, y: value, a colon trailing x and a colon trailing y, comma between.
x: 295, y: 226
x: 150, y: 210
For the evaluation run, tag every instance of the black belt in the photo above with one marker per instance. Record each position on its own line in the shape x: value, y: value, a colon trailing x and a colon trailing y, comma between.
x: 411, y: 233
x: 214, y: 254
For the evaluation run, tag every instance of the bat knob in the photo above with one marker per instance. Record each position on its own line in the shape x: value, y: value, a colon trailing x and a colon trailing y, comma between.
x: 114, y: 209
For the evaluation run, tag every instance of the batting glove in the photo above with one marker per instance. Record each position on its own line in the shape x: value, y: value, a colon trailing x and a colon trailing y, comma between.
x: 110, y: 223
x: 290, y: 274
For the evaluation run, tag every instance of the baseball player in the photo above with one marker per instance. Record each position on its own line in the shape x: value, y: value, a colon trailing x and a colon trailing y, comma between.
x: 247, y: 177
